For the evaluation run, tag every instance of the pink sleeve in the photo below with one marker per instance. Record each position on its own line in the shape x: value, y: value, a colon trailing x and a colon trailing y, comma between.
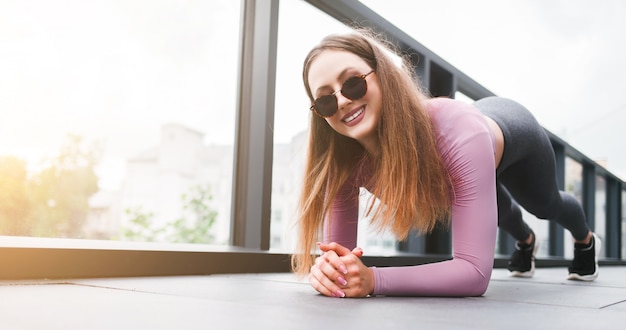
x: 467, y: 149
x: 341, y: 225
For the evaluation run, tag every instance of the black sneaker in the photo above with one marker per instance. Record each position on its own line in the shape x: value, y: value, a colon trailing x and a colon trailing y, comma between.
x: 585, y: 264
x: 522, y: 262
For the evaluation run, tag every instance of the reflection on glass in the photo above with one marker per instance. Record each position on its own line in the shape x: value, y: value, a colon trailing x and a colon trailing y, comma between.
x: 118, y: 119
x: 623, y: 224
x: 574, y: 178
x: 292, y: 113
x: 574, y: 186
x: 600, y: 219
x: 462, y: 97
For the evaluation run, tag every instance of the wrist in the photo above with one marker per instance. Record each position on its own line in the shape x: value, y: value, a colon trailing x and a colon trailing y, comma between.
x: 372, y: 281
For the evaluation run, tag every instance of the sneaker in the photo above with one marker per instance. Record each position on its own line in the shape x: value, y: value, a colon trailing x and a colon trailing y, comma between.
x: 522, y: 262
x: 585, y: 264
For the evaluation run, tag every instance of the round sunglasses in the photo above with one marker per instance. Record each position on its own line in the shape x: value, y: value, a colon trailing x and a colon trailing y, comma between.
x: 354, y: 88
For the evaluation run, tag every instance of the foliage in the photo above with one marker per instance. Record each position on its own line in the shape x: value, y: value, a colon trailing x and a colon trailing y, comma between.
x: 194, y: 226
x: 60, y: 192
x: 54, y: 201
x: 140, y: 226
x: 14, y: 202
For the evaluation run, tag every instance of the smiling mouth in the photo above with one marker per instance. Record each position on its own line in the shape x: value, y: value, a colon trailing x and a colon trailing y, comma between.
x: 354, y: 115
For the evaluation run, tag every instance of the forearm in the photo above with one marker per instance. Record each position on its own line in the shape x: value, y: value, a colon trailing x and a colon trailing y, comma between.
x: 457, y: 278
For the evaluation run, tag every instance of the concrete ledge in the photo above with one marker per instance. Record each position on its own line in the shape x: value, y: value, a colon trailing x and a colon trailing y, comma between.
x: 68, y: 259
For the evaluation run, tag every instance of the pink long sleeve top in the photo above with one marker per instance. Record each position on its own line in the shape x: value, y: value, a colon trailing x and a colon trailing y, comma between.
x: 467, y: 147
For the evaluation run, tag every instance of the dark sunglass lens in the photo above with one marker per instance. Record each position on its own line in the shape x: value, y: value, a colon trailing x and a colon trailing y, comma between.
x: 354, y: 88
x: 326, y: 105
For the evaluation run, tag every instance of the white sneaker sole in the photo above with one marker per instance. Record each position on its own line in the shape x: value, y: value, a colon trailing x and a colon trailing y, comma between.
x: 527, y: 274
x: 588, y: 278
x: 531, y: 272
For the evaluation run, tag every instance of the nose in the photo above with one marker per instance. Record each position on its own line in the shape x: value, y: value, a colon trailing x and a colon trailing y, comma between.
x: 342, y: 100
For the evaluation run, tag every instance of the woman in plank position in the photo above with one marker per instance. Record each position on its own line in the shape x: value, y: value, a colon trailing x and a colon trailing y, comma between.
x: 429, y: 161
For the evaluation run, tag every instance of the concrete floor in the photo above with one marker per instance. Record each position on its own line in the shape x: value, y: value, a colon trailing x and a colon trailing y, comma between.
x: 279, y: 301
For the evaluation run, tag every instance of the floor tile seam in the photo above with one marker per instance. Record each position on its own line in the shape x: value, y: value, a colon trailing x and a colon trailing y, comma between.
x: 607, y: 307
x: 573, y: 283
x: 106, y: 287
x: 66, y: 283
x: 34, y: 283
x: 267, y: 280
x: 167, y: 294
x: 550, y: 305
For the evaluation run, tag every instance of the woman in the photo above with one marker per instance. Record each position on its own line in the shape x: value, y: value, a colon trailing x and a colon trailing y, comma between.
x: 430, y: 161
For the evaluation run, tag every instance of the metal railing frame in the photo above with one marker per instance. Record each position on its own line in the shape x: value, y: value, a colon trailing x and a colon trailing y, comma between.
x: 443, y: 79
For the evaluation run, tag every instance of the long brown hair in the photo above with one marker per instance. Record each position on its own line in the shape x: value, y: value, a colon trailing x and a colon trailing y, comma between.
x: 409, y: 177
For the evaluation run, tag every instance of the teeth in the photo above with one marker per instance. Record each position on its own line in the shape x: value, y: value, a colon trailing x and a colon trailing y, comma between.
x: 356, y: 114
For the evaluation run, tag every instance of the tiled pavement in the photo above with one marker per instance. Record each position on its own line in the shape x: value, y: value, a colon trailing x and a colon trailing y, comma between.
x: 280, y: 301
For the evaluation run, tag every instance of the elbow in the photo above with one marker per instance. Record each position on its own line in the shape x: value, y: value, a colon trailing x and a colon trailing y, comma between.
x: 472, y: 288
x: 480, y: 289
x: 480, y: 283
x: 476, y: 281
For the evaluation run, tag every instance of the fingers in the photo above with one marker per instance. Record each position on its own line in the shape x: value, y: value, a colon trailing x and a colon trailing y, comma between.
x: 338, y: 275
x: 360, y: 278
x: 338, y: 248
x: 333, y: 258
x: 357, y: 251
x: 325, y: 287
x: 325, y: 278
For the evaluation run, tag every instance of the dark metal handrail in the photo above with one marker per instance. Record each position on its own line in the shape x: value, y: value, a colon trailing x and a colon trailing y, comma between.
x: 443, y: 79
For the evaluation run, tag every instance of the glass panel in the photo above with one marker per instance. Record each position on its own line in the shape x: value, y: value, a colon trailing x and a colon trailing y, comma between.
x: 600, y: 221
x: 292, y: 112
x: 370, y: 239
x: 623, y: 224
x: 541, y: 229
x: 574, y: 186
x: 109, y: 128
x: 462, y: 97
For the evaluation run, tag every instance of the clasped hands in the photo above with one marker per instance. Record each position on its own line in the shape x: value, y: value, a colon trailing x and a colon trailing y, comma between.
x: 339, y: 272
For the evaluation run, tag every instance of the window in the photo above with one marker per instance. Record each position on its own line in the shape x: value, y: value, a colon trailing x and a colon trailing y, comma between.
x: 118, y: 119
x: 574, y: 186
x: 623, y: 215
x: 600, y: 215
x: 119, y: 124
x: 291, y: 116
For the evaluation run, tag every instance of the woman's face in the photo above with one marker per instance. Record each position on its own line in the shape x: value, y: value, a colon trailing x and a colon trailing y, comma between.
x: 356, y: 119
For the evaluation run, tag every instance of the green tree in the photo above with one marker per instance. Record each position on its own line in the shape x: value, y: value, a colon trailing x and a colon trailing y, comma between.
x: 197, y: 220
x: 194, y: 226
x: 60, y: 192
x: 14, y: 202
x: 140, y: 227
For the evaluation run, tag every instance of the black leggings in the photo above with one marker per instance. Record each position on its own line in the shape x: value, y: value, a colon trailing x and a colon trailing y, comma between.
x: 527, y: 173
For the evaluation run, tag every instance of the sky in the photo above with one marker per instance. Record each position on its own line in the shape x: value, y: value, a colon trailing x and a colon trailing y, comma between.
x: 116, y: 70
x: 564, y: 60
